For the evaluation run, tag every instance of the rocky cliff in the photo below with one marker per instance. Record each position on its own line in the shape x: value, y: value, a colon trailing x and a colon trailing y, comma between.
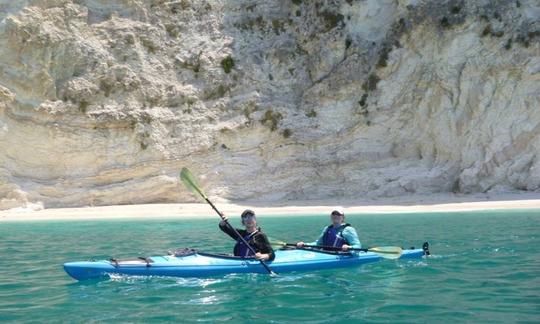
x: 102, y: 102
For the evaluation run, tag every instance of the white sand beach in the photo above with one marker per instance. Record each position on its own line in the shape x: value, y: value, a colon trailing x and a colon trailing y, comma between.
x: 408, y: 204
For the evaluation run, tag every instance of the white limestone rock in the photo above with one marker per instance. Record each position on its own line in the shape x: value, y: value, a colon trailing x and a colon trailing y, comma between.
x: 102, y: 102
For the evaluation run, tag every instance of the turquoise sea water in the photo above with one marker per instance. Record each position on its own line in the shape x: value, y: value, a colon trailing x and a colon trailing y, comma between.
x: 485, y: 268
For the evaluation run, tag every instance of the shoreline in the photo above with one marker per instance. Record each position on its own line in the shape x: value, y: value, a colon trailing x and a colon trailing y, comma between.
x: 405, y: 204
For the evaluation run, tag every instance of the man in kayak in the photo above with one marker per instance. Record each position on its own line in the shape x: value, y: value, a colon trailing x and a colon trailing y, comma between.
x: 252, y: 234
x: 338, y: 234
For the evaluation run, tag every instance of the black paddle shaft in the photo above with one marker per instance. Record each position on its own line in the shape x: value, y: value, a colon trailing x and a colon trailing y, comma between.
x: 238, y: 234
x: 333, y: 248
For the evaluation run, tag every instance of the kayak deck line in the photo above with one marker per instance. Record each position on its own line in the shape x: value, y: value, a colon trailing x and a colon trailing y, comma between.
x: 191, y: 263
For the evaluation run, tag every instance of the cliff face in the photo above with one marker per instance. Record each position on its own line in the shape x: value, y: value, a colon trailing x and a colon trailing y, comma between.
x: 102, y: 102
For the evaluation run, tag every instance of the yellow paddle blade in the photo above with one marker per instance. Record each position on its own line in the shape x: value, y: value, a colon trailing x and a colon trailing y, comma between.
x: 277, y: 243
x: 189, y: 181
x: 387, y: 252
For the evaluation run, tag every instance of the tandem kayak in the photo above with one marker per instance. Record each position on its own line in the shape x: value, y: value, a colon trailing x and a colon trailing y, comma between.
x: 191, y: 263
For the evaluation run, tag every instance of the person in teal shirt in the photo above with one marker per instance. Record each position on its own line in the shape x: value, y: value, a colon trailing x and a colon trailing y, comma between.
x: 338, y: 234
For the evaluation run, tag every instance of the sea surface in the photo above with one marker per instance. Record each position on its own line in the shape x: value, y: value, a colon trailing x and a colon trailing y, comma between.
x: 485, y: 268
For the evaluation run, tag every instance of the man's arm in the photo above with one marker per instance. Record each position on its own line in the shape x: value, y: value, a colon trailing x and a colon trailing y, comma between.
x: 319, y: 241
x: 227, y: 228
x: 264, y: 246
x: 349, y: 234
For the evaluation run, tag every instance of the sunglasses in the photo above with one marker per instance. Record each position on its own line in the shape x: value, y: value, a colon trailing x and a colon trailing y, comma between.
x: 336, y: 214
x: 248, y: 216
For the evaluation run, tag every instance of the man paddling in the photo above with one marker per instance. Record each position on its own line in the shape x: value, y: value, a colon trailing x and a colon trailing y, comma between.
x: 252, y: 234
x: 338, y: 234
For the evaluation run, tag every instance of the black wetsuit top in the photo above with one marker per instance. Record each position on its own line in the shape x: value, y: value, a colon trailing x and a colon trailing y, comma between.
x: 258, y: 241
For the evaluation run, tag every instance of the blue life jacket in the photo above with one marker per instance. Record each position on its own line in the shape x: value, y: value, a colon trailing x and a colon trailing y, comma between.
x: 240, y: 249
x: 332, y: 236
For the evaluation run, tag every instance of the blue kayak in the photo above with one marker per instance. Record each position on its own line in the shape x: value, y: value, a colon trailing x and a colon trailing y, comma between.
x: 191, y: 263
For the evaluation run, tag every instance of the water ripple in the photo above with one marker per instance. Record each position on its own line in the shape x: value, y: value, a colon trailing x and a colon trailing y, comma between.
x: 484, y: 269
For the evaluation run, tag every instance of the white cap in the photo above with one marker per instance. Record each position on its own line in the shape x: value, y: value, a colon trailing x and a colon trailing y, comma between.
x: 339, y: 210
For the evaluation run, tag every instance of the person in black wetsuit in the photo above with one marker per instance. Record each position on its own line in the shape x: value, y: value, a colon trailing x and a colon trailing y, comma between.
x: 252, y: 234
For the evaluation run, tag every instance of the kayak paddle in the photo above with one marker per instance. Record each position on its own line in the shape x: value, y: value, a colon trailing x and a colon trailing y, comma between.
x: 386, y: 252
x: 189, y: 181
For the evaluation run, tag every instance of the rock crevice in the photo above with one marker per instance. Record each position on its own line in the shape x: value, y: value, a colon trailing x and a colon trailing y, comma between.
x: 102, y: 102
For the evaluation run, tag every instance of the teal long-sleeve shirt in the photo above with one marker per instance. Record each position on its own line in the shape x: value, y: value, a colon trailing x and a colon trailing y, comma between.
x: 348, y: 233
